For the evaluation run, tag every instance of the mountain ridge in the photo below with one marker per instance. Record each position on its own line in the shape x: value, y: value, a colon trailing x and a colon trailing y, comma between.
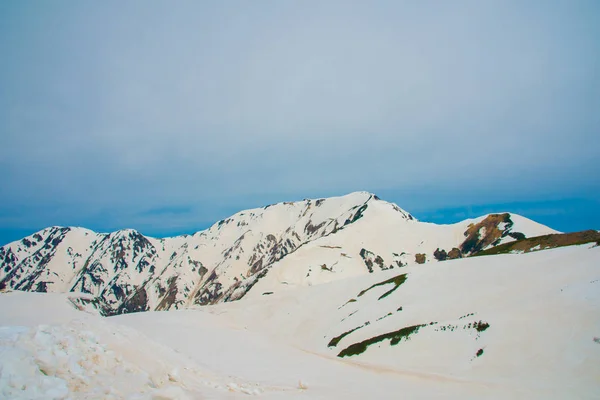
x: 308, y: 242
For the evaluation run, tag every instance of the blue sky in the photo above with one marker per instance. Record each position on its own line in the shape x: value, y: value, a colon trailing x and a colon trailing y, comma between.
x: 166, y: 118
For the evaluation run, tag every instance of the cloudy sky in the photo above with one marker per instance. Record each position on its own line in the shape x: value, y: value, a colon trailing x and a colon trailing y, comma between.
x: 166, y: 117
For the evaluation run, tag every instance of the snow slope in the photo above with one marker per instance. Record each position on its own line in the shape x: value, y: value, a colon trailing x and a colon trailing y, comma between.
x: 535, y: 317
x: 306, y: 242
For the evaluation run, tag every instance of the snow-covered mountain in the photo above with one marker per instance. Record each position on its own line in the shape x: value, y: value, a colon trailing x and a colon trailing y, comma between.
x: 510, y: 326
x: 255, y: 251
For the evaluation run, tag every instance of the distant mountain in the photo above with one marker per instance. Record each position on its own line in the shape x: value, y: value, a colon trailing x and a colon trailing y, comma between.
x: 292, y: 243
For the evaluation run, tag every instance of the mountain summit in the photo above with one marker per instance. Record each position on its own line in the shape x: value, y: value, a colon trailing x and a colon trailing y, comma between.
x: 254, y: 251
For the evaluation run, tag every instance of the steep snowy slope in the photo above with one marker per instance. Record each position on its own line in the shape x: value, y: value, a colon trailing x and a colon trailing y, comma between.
x: 48, y: 260
x: 385, y: 239
x: 310, y: 241
x: 523, y: 326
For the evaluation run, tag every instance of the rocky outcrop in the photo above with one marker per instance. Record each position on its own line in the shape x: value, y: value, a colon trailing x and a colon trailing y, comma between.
x: 440, y: 255
x: 489, y: 232
x: 545, y: 242
x: 454, y: 254
x: 373, y: 261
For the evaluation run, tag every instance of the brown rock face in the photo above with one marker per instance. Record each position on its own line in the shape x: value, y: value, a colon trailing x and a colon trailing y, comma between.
x: 138, y: 302
x: 420, y: 258
x: 454, y: 253
x: 169, y: 299
x: 488, y: 233
x: 440, y: 255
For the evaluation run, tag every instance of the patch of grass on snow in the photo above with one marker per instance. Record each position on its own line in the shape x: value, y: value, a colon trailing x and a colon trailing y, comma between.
x: 334, y: 342
x: 395, y: 338
x: 544, y: 242
x: 396, y: 280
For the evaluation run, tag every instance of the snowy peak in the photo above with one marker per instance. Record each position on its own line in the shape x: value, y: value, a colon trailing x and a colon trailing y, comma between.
x: 46, y: 260
x: 290, y: 243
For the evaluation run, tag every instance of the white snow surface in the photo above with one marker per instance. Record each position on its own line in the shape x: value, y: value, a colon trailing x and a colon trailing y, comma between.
x: 542, y: 310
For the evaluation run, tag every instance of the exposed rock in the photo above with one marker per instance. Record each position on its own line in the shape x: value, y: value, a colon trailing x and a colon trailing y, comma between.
x: 372, y: 259
x: 440, y: 255
x: 517, y: 235
x: 454, y: 253
x: 202, y: 271
x: 41, y: 287
x: 420, y: 258
x: 324, y: 268
x: 169, y: 299
x: 487, y: 233
x: 210, y: 291
x: 311, y: 229
x: 239, y: 290
x: 397, y: 260
x: 356, y: 216
x: 138, y: 302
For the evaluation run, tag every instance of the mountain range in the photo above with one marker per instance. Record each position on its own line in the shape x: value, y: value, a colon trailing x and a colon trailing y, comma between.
x: 347, y: 297
x: 257, y: 251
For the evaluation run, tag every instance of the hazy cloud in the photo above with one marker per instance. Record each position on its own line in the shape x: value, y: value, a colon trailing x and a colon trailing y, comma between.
x: 108, y: 111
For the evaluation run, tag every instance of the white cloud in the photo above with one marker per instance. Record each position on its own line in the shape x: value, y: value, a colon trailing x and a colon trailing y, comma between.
x: 142, y: 106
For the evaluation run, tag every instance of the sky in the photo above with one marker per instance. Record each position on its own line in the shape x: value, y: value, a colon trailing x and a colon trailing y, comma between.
x: 166, y: 117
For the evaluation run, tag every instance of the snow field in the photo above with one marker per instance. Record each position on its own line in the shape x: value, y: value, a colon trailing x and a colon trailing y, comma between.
x: 541, y: 343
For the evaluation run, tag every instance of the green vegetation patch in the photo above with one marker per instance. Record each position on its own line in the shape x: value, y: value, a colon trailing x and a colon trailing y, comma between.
x: 396, y: 280
x: 385, y: 316
x: 334, y: 342
x: 544, y: 242
x: 346, y: 303
x: 395, y: 338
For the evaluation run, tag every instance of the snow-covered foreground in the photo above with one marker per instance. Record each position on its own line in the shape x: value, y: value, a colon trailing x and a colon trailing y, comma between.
x: 510, y: 326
